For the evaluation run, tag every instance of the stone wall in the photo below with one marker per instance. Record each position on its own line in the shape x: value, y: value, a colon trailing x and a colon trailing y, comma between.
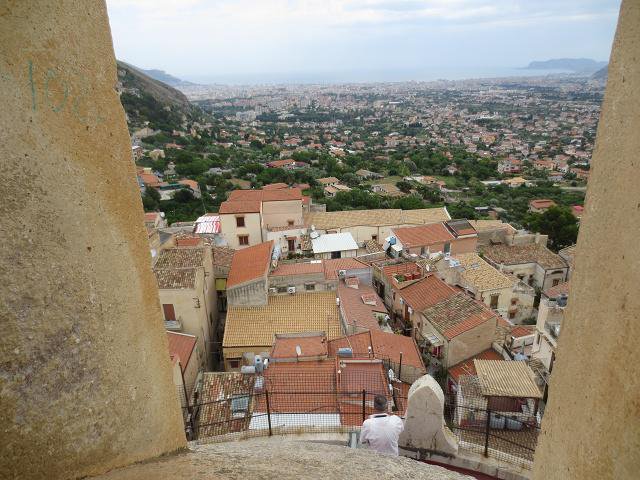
x: 591, y: 427
x: 85, y: 378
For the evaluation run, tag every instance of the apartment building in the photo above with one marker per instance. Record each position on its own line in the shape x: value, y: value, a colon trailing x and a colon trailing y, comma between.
x: 248, y: 217
x: 186, y: 287
x: 534, y: 264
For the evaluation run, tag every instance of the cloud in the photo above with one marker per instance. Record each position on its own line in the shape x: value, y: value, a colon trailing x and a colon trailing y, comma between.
x: 188, y: 37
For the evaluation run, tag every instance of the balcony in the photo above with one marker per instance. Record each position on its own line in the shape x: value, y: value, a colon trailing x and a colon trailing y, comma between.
x: 173, y: 325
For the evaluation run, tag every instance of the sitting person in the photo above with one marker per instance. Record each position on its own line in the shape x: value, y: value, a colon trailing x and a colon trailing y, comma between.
x: 381, y: 431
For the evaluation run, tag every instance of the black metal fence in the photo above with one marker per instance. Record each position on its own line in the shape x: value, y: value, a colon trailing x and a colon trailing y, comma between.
x: 507, y: 434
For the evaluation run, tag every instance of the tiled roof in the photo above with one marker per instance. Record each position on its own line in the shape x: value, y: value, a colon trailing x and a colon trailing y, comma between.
x: 332, y: 266
x: 457, y: 314
x: 518, y: 254
x: 491, y: 225
x: 175, y: 278
x: 560, y: 289
x: 306, y: 312
x: 480, y: 274
x: 222, y: 256
x: 426, y: 292
x: 393, y: 216
x: 522, y: 331
x: 468, y: 368
x: 327, y: 180
x: 277, y: 186
x: 461, y: 227
x: 310, y: 345
x: 250, y: 263
x: 239, y: 206
x: 268, y: 195
x: 423, y: 235
x: 216, y: 416
x: 306, y: 268
x: 180, y: 258
x: 542, y: 203
x: 181, y: 347
x: 500, y: 378
x: 357, y: 312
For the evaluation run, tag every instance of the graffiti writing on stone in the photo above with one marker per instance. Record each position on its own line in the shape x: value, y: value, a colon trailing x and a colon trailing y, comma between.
x: 51, y: 89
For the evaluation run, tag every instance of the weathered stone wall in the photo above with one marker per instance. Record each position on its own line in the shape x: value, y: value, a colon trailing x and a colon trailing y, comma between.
x: 591, y: 428
x: 85, y: 378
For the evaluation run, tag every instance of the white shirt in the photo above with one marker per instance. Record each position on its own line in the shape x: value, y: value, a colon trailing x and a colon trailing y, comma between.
x: 381, y: 432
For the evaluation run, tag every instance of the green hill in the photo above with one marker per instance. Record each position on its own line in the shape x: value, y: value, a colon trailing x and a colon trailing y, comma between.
x: 147, y: 100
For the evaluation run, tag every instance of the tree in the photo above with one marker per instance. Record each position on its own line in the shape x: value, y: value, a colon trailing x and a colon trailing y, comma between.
x: 150, y: 199
x: 404, y: 186
x: 557, y: 222
x: 410, y: 202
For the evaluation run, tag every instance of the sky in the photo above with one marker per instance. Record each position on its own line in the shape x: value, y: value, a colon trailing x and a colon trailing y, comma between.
x: 266, y: 41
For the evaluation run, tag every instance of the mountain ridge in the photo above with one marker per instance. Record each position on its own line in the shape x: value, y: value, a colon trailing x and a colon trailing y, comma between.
x: 578, y: 65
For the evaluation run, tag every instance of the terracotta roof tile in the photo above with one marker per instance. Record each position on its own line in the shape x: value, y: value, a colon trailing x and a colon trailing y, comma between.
x: 310, y: 344
x: 180, y: 258
x: 239, y: 206
x: 356, y: 312
x: 250, y: 263
x: 306, y: 312
x: 477, y: 272
x: 423, y: 235
x: 426, y: 292
x: 379, y: 217
x: 560, y: 289
x: 181, y: 347
x: 332, y: 266
x: 467, y: 367
x: 457, y: 314
x: 518, y: 254
x: 171, y: 279
x: 306, y: 268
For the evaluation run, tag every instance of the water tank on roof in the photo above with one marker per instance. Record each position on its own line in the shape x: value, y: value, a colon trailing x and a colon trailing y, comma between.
x: 345, y: 352
x: 247, y: 369
x: 257, y: 363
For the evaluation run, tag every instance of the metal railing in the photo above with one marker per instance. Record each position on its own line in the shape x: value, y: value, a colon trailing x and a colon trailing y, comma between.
x: 316, y: 406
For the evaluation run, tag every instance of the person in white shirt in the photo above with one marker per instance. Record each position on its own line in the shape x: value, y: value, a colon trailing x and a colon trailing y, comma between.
x: 381, y: 431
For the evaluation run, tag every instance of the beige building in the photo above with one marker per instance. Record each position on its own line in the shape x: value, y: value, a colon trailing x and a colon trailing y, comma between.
x: 452, y: 237
x: 187, y: 360
x: 250, y: 217
x: 534, y: 264
x: 187, y: 293
x: 251, y: 331
x: 551, y: 310
x: 505, y: 294
x: 365, y: 225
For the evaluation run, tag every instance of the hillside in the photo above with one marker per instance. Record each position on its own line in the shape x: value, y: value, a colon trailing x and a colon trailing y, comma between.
x: 148, y: 100
x: 164, y: 77
x: 581, y: 65
x: 601, y: 74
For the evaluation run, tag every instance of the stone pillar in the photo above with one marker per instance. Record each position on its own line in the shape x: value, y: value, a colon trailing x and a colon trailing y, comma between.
x: 85, y: 378
x: 424, y: 426
x: 591, y: 427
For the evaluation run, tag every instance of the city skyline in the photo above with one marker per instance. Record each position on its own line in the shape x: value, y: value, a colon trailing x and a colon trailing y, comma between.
x: 352, y: 41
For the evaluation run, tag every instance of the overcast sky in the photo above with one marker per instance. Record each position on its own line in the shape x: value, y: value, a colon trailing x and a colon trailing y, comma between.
x: 216, y: 39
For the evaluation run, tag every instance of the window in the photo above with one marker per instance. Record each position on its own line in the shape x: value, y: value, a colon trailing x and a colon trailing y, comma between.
x: 309, y: 286
x: 243, y: 239
x: 555, y: 282
x: 512, y: 315
x: 447, y: 248
x: 290, y: 223
x: 291, y: 244
x: 494, y: 301
x: 239, y: 221
x: 169, y: 312
x: 282, y: 289
x: 374, y: 238
x: 234, y: 363
x: 514, y: 301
